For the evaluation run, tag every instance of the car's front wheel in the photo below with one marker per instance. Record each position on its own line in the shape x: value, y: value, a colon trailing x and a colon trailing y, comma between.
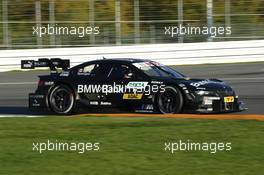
x: 61, y: 100
x: 170, y: 101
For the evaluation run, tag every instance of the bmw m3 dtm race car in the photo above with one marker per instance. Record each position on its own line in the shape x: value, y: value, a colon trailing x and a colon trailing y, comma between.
x: 132, y: 84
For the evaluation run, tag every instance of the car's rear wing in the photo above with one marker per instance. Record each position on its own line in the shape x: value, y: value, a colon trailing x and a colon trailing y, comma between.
x: 52, y: 63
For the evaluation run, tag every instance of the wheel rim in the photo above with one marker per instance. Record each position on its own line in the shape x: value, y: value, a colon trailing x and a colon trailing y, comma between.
x: 167, y: 101
x: 61, y: 100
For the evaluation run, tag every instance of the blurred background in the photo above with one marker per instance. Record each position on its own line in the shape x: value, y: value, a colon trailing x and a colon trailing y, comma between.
x: 126, y: 22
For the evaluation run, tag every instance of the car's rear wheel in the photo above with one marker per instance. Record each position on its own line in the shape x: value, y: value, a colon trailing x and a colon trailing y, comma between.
x: 62, y: 100
x: 170, y: 101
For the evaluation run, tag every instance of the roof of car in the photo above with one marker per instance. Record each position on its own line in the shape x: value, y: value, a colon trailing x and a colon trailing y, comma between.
x: 128, y: 60
x: 118, y: 60
x: 113, y: 60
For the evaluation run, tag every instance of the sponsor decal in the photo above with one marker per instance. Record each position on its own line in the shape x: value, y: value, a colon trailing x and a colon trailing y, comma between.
x: 137, y: 85
x: 200, y: 88
x: 48, y: 83
x: 84, y: 73
x: 36, y: 96
x: 209, y: 100
x: 147, y: 107
x: 200, y: 83
x: 149, y: 96
x: 229, y: 99
x: 65, y: 74
x: 104, y: 103
x: 105, y: 89
x: 156, y: 82
x: 154, y: 63
x: 132, y: 96
x: 131, y: 87
x: 28, y: 64
x: 35, y: 103
x: 141, y: 65
x: 182, y: 85
x: 36, y: 100
x: 93, y: 102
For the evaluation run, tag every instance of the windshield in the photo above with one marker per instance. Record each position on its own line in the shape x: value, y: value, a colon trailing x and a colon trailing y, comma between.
x: 152, y: 68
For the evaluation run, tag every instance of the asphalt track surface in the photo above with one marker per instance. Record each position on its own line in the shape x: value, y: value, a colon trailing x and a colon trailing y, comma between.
x: 246, y: 78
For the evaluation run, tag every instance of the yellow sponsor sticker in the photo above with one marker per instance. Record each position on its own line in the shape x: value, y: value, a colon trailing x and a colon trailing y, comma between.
x: 230, y: 99
x: 132, y: 96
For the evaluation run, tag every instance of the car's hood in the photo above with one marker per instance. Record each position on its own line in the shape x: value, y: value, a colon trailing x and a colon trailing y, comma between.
x: 206, y: 84
x: 194, y: 84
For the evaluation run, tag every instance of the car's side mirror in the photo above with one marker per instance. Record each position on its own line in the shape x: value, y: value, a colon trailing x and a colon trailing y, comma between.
x: 130, y: 75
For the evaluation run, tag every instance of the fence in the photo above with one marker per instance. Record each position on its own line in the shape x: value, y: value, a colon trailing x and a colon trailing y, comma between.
x: 127, y: 21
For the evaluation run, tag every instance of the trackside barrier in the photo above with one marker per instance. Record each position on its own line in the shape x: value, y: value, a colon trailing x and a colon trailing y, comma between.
x: 168, y: 54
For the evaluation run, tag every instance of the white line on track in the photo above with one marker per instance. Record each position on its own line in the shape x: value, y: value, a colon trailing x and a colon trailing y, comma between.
x: 22, y: 116
x: 17, y: 83
x: 243, y: 78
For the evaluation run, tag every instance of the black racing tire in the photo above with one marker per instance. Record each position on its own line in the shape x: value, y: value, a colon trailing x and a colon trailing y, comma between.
x: 62, y: 100
x: 170, y: 101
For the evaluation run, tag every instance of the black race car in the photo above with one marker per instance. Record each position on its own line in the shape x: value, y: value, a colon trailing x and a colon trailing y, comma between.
x: 131, y: 84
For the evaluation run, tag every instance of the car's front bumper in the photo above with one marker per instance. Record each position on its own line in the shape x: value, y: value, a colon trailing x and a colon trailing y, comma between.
x: 218, y: 105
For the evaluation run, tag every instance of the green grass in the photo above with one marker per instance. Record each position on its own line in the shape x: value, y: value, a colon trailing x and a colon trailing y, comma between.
x: 130, y: 146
